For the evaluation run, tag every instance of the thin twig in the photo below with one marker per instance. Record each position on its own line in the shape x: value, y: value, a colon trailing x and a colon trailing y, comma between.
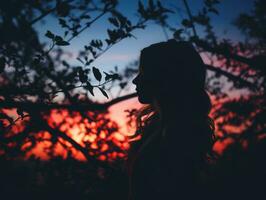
x: 42, y: 16
x: 90, y: 106
x: 88, y: 25
x: 190, y: 17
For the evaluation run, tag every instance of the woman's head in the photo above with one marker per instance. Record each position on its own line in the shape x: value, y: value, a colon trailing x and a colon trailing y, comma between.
x: 169, y: 70
x: 172, y: 75
x: 171, y: 80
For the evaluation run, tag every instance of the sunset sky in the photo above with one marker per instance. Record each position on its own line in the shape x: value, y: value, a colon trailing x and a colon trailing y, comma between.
x: 128, y: 50
x: 72, y: 126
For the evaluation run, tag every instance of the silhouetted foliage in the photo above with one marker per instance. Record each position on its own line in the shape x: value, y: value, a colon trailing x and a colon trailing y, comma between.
x: 37, y: 80
x: 58, y: 178
x: 36, y: 73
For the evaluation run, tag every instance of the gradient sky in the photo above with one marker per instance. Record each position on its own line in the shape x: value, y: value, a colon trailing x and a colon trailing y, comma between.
x: 129, y: 49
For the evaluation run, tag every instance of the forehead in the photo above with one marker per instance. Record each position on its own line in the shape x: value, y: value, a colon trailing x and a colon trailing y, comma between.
x: 149, y: 62
x: 141, y: 62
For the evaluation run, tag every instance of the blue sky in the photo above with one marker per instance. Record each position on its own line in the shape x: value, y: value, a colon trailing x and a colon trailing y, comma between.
x: 128, y: 49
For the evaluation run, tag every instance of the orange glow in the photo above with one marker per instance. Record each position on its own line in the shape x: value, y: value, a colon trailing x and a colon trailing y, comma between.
x: 220, y: 146
x: 90, y: 138
x: 104, y: 148
x: 85, y: 132
x: 99, y: 137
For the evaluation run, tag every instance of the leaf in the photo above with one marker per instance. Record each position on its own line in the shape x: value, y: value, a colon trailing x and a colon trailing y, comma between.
x: 187, y: 23
x: 59, y: 41
x: 97, y: 74
x: 20, y: 112
x: 95, y: 43
x: 107, y: 76
x: 87, y: 71
x: 111, y: 76
x: 86, y: 47
x: 85, y: 17
x: 114, y: 76
x: 104, y: 93
x: 141, y: 9
x: 122, y: 19
x: 111, y: 34
x: 213, y: 10
x: 165, y: 10
x: 62, y: 22
x: 89, y: 62
x: 114, y: 21
x: 62, y: 43
x: 66, y: 33
x: 58, y: 38
x: 83, y: 77
x: 123, y: 85
x: 108, y: 41
x: 89, y: 87
x: 177, y: 33
x: 65, y: 63
x: 50, y: 35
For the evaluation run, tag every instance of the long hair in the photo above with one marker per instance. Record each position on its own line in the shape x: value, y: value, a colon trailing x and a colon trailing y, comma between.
x: 179, y: 69
x: 148, y: 116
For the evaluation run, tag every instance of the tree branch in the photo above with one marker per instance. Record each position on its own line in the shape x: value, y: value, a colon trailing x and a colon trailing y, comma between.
x: 190, y: 17
x: 42, y: 16
x: 205, y: 46
x: 92, y: 160
x: 87, y: 25
x: 232, y: 77
x: 31, y: 106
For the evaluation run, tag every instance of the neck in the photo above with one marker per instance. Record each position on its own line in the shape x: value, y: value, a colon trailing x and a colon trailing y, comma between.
x: 172, y: 114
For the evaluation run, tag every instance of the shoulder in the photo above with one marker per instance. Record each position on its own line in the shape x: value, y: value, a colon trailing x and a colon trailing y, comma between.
x: 181, y: 140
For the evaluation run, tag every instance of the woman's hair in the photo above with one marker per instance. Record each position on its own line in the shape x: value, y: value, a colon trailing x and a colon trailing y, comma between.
x: 180, y: 72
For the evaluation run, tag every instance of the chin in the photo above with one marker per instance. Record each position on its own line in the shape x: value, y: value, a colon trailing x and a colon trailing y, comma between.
x: 143, y: 100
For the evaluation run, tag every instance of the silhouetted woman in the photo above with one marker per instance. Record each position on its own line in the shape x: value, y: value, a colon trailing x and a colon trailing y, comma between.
x: 176, y: 131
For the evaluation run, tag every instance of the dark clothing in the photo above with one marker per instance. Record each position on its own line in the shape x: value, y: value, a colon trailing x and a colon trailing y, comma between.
x: 164, y: 168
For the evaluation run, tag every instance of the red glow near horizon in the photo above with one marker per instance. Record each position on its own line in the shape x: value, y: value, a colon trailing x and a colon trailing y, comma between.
x: 88, y: 135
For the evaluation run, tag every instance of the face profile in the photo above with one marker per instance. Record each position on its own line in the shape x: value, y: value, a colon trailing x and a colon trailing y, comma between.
x: 144, y: 87
x: 169, y: 72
